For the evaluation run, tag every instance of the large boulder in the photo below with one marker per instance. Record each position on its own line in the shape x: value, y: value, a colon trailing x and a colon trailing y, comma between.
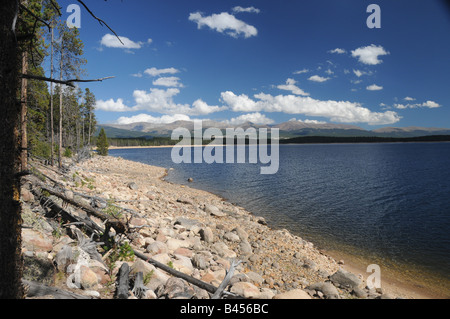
x: 345, y: 279
x: 328, y: 290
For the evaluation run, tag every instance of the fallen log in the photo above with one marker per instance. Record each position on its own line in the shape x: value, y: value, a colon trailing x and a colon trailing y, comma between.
x: 115, y: 223
x: 201, y: 284
x: 65, y: 215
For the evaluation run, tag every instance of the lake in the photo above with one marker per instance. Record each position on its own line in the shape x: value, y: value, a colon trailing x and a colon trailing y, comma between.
x: 388, y: 203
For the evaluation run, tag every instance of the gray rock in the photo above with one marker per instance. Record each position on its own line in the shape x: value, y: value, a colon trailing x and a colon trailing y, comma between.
x: 230, y: 236
x: 245, y: 248
x: 261, y: 220
x: 309, y: 264
x: 133, y: 186
x: 328, y: 290
x: 207, y: 235
x: 175, y: 288
x: 238, y: 278
x: 156, y: 248
x: 187, y: 223
x: 200, y: 262
x: 213, y: 210
x: 255, y: 277
x: 345, y: 279
x: 241, y: 233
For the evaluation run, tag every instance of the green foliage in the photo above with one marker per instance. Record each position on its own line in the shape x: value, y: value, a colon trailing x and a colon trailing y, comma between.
x: 112, y: 210
x: 40, y: 148
x: 102, y: 143
x: 68, y: 152
x: 148, y: 276
x: 123, y: 253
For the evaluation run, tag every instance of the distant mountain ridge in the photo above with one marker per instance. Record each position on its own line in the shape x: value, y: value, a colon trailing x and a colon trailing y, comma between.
x: 287, y: 129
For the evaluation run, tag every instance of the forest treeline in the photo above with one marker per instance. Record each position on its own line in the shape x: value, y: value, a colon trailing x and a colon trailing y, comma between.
x: 363, y: 139
x: 59, y: 118
x: 162, y: 141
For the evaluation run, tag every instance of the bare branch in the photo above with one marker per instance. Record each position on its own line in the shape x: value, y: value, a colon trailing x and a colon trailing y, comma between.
x: 102, y: 23
x: 67, y: 82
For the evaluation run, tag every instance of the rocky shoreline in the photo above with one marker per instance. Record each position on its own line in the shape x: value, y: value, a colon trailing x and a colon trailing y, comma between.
x: 192, y: 231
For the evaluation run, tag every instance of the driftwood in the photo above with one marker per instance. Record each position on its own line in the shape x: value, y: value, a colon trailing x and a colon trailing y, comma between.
x: 115, y: 223
x: 201, y: 284
x: 89, y: 246
x: 123, y: 281
x: 139, y: 289
x: 226, y: 280
x: 35, y: 289
x: 90, y: 226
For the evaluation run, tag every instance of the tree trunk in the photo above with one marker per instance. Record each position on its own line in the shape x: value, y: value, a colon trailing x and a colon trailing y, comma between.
x: 23, y: 114
x: 10, y: 218
x: 60, y: 114
x: 90, y: 126
x: 51, y: 102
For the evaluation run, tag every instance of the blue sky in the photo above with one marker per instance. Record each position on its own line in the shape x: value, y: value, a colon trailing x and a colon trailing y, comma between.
x: 270, y: 61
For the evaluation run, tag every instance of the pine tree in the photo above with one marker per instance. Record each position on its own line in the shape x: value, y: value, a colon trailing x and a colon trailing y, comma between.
x: 102, y: 143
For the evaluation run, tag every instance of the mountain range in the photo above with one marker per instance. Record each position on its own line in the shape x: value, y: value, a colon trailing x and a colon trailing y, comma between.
x: 288, y: 129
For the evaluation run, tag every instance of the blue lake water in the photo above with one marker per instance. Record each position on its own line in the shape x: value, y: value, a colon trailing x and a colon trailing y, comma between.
x: 388, y: 202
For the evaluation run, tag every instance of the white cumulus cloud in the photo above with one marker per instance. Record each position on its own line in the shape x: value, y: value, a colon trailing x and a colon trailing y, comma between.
x: 156, y: 72
x: 111, y: 41
x: 336, y: 111
x: 338, y: 51
x: 369, y: 54
x: 301, y: 71
x: 317, y: 78
x: 239, y: 9
x: 224, y: 23
x: 427, y: 104
x: 165, y: 119
x: 170, y: 81
x: 374, y: 87
x: 290, y: 86
x: 431, y: 104
x: 255, y: 118
x: 111, y: 106
x: 159, y: 101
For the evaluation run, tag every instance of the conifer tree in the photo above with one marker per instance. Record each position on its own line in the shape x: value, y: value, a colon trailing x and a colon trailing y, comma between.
x: 102, y: 143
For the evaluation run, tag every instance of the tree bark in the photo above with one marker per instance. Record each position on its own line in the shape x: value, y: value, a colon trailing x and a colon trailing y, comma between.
x: 60, y: 113
x: 23, y: 114
x: 51, y: 102
x: 10, y: 218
